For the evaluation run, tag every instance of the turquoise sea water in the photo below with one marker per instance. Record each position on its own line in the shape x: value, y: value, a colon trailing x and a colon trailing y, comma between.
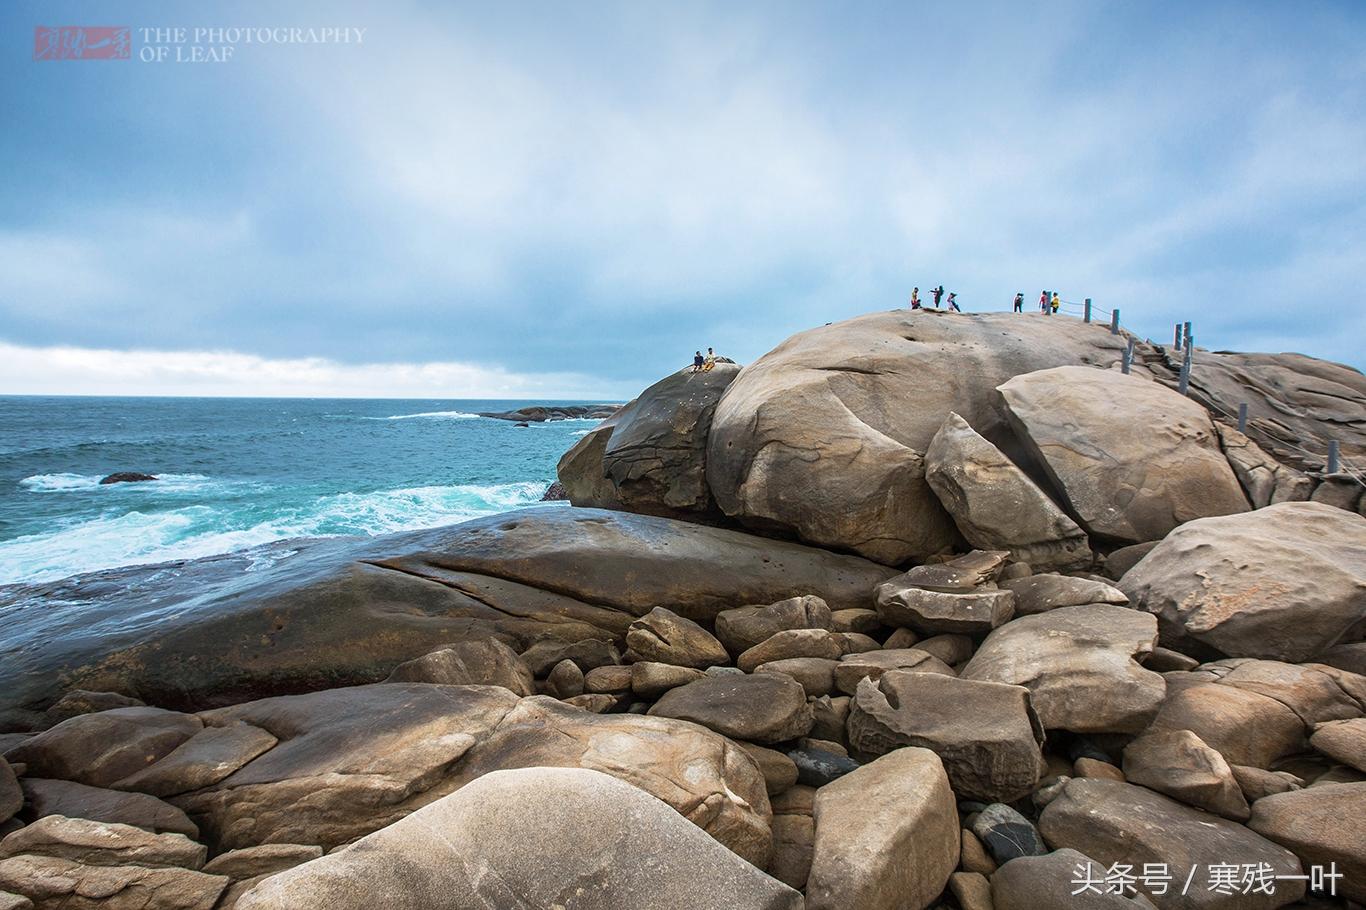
x: 234, y: 473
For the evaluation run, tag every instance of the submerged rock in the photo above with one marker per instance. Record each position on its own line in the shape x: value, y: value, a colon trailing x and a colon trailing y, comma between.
x: 127, y: 477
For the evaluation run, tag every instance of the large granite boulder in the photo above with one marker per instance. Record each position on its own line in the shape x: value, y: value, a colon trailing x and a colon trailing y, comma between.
x: 1133, y: 458
x: 1321, y: 825
x: 825, y: 435
x: 1114, y: 822
x: 1265, y: 480
x: 44, y: 797
x: 95, y: 843
x: 535, y: 839
x: 1180, y: 764
x: 1286, y: 582
x: 986, y: 734
x: 706, y: 778
x: 99, y: 749
x: 53, y: 882
x: 996, y: 505
x: 1051, y: 880
x: 306, y: 615
x: 1079, y: 665
x: 662, y: 636
x: 1246, y: 728
x: 485, y: 662
x: 651, y: 456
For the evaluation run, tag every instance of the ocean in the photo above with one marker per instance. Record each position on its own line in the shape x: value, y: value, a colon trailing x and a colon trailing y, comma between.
x: 235, y: 473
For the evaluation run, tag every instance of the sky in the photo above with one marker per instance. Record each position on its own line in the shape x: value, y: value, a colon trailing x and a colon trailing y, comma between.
x: 565, y: 200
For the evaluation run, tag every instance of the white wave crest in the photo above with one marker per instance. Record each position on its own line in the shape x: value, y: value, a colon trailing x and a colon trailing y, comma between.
x: 135, y: 537
x: 438, y: 415
x: 69, y: 483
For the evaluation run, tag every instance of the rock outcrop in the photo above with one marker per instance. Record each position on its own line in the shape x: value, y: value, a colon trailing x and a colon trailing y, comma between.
x: 652, y: 456
x: 539, y: 839
x: 1133, y: 458
x: 306, y: 615
x: 1286, y: 582
x: 824, y: 437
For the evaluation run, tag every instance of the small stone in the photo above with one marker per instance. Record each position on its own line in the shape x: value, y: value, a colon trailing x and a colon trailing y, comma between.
x: 1089, y: 767
x: 1049, y: 787
x: 779, y: 771
x: 972, y: 890
x: 1343, y: 740
x: 831, y: 714
x: 610, y: 680
x: 974, y: 857
x: 761, y: 708
x: 793, y: 839
x: 816, y: 674
x: 963, y: 573
x: 1007, y: 834
x: 1041, y: 593
x: 855, y: 642
x: 951, y: 649
x: 800, y: 800
x: 873, y: 664
x: 650, y: 679
x: 593, y: 703
x: 816, y: 768
x: 855, y: 619
x: 565, y: 680
x: 588, y: 653
x: 901, y: 638
x: 788, y: 644
x: 1180, y: 764
x: 744, y: 627
x: 929, y: 612
x: 1257, y: 783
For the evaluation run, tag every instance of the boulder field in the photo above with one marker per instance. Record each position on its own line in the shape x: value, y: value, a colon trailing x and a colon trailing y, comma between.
x: 911, y: 613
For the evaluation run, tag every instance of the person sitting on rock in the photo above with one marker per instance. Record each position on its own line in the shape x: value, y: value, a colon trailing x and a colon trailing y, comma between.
x: 1019, y: 301
x: 709, y: 362
x: 915, y: 298
x: 697, y: 362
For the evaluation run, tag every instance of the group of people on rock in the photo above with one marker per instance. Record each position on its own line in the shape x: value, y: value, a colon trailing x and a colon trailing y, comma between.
x: 937, y: 294
x: 702, y: 364
x: 1047, y: 304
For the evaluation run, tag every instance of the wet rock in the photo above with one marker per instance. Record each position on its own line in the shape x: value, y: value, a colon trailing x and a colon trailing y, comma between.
x: 611, y: 846
x: 79, y: 701
x: 126, y: 477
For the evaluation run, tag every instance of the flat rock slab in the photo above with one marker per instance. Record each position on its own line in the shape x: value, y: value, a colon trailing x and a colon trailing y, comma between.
x: 1079, y: 666
x: 93, y: 843
x: 1133, y: 458
x: 986, y: 734
x: 901, y: 603
x: 761, y: 707
x: 853, y: 668
x: 202, y: 760
x: 610, y: 846
x: 307, y: 615
x: 1114, y: 822
x: 73, y: 800
x: 1287, y: 582
x: 1043, y: 592
x: 54, y: 882
x: 99, y: 749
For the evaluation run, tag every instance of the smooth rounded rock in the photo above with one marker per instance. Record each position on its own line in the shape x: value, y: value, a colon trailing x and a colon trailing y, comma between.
x: 761, y: 708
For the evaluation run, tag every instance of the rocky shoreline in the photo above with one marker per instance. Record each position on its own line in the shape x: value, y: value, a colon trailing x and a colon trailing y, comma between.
x: 918, y: 610
x: 542, y: 413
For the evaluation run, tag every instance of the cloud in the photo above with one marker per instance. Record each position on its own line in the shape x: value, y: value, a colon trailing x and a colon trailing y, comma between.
x: 63, y: 370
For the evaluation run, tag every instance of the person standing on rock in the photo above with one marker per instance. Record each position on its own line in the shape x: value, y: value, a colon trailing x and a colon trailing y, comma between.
x: 953, y: 303
x: 915, y: 298
x: 697, y: 362
x: 937, y: 292
x: 1056, y: 303
x: 1019, y: 301
x: 1043, y: 302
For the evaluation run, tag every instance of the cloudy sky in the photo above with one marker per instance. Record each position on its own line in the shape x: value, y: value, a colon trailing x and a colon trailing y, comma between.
x: 566, y: 199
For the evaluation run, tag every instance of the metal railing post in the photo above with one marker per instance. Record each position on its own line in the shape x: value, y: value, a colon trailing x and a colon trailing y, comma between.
x: 1188, y: 334
x: 1177, y: 342
x: 1087, y: 316
x: 1183, y: 385
x: 1242, y: 417
x: 1334, y: 457
x: 1114, y: 322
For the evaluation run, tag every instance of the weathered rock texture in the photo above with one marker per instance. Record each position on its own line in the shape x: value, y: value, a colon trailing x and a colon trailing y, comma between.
x: 825, y: 435
x: 538, y: 839
x: 1133, y: 458
x: 1286, y: 582
x: 340, y: 612
x: 996, y: 505
x: 651, y: 456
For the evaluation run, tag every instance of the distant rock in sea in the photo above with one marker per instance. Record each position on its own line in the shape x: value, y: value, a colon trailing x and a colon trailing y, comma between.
x: 127, y: 477
x: 555, y: 493
x: 542, y: 413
